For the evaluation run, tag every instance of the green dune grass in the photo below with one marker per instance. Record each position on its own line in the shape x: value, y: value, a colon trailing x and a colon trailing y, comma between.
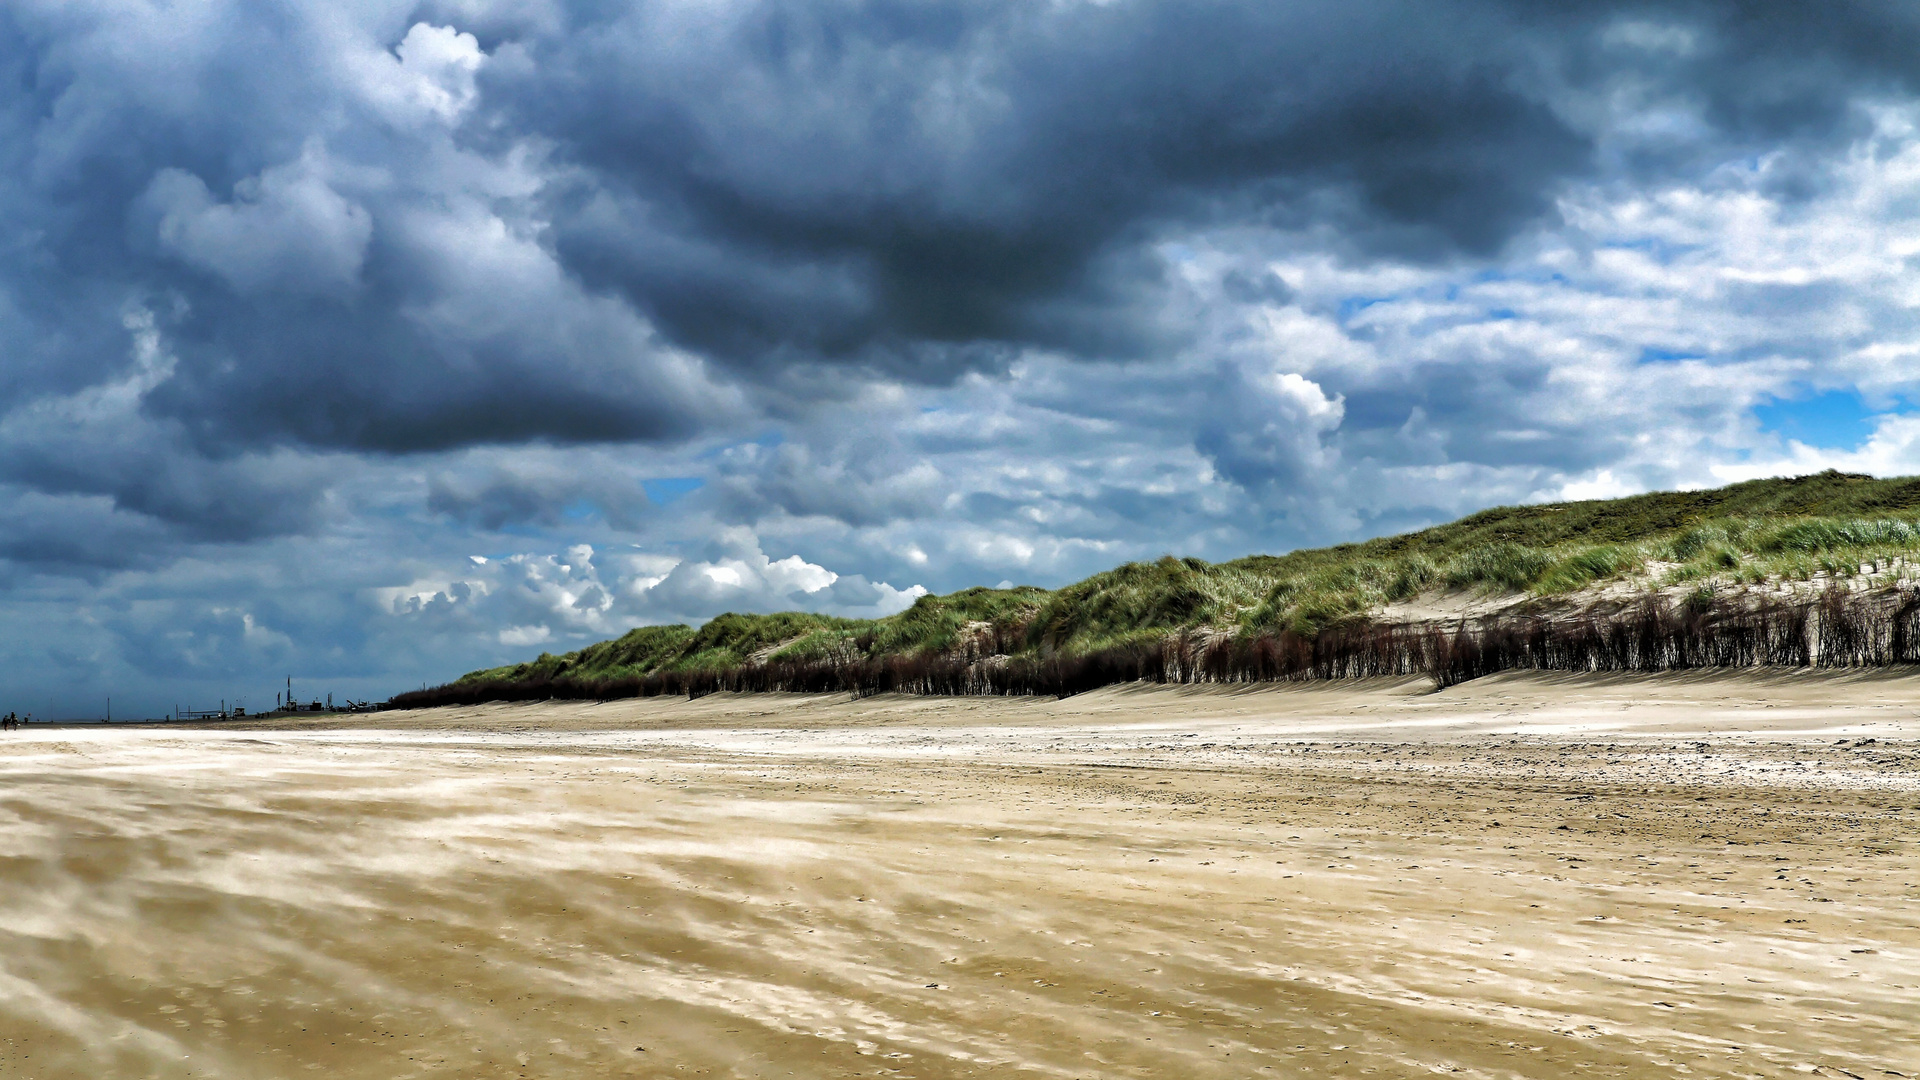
x: 1795, y: 529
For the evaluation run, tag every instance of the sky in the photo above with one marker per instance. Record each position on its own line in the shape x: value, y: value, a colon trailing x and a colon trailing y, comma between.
x: 369, y: 343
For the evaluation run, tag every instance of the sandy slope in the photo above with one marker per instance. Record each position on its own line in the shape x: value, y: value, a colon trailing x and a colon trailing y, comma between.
x: 1523, y: 876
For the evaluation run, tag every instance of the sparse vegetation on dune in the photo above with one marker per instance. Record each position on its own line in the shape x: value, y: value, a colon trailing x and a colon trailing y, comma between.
x: 1647, y: 582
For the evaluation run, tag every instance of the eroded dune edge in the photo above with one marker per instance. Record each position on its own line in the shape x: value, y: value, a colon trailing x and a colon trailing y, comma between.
x: 1537, y: 876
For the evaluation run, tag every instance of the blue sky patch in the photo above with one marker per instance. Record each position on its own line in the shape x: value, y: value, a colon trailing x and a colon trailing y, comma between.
x: 1833, y: 420
x: 1354, y: 305
x: 665, y: 491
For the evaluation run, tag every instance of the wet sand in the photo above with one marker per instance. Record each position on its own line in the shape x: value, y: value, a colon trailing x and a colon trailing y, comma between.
x: 1520, y: 877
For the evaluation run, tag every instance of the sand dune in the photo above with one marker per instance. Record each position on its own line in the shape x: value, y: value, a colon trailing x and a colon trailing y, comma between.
x: 1534, y: 876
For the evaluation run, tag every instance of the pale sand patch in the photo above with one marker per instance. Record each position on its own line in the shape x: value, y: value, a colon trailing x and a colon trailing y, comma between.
x: 1538, y: 876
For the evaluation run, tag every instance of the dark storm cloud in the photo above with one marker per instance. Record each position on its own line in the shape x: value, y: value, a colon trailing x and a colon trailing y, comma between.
x: 244, y: 237
x: 868, y: 180
x: 315, y: 248
x: 917, y: 188
x: 79, y: 536
x: 501, y: 497
x: 1766, y: 70
x: 839, y: 179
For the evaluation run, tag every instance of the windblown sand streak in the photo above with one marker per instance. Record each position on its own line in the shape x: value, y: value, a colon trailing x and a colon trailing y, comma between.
x: 1538, y: 876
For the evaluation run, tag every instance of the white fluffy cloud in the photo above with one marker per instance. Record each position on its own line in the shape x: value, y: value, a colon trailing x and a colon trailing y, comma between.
x: 1268, y: 426
x: 428, y: 77
x: 286, y: 228
x: 582, y: 595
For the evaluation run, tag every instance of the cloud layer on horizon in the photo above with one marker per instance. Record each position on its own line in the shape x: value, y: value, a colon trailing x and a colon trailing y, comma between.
x: 663, y: 309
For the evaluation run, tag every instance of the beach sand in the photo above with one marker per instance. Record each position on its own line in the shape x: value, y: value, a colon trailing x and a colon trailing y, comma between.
x: 1523, y: 876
